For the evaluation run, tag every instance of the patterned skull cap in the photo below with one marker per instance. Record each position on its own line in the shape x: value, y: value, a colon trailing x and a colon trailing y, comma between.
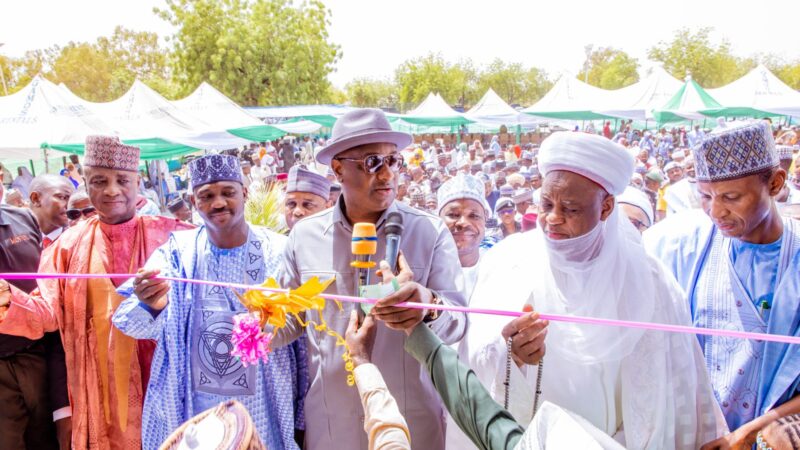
x: 785, y: 152
x: 736, y: 152
x: 109, y: 153
x: 214, y: 168
x: 463, y: 186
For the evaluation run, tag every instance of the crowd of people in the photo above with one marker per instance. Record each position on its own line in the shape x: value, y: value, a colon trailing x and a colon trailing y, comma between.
x: 682, y: 228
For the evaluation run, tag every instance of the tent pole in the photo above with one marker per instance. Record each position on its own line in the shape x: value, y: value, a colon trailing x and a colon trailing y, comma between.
x: 519, y: 130
x: 46, y: 160
x: 33, y: 169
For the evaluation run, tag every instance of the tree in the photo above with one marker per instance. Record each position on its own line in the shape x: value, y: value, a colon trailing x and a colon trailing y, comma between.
x: 514, y: 83
x: 19, y: 72
x: 85, y: 70
x: 610, y: 68
x: 788, y: 72
x: 537, y: 84
x: 137, y: 55
x: 335, y: 95
x: 265, y: 52
x: 104, y: 70
x: 366, y: 92
x: 711, y: 65
x: 418, y: 77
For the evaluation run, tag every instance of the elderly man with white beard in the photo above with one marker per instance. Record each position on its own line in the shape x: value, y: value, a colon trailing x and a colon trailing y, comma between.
x: 646, y: 389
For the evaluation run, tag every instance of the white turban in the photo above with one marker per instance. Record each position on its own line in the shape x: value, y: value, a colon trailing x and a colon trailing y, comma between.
x: 592, y: 156
x: 637, y: 198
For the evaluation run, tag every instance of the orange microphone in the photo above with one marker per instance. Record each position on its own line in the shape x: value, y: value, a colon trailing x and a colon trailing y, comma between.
x: 363, y: 248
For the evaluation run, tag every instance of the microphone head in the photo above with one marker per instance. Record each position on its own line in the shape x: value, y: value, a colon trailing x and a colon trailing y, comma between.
x: 394, y: 224
x: 365, y: 239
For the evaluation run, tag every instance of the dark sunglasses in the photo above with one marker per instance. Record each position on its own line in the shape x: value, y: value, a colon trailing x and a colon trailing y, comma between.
x: 506, y: 211
x: 373, y: 163
x: 75, y: 214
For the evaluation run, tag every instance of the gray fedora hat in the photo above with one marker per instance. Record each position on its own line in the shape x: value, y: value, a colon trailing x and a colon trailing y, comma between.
x: 361, y: 127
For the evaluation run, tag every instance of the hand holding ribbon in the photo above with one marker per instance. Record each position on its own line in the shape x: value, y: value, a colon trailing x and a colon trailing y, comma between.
x: 399, y: 317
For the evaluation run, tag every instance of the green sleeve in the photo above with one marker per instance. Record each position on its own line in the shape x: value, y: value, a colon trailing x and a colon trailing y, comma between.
x: 486, y: 423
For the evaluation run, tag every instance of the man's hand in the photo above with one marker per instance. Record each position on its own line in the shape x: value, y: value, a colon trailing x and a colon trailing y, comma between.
x: 405, y: 274
x: 398, y: 318
x: 5, y: 294
x: 151, y: 292
x: 527, y: 334
x: 742, y: 438
x: 5, y: 299
x: 64, y: 433
x: 782, y: 432
x: 360, y: 340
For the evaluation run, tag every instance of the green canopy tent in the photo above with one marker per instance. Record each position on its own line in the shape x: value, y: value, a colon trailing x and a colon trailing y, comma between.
x: 155, y: 148
x: 258, y: 133
x: 686, y: 104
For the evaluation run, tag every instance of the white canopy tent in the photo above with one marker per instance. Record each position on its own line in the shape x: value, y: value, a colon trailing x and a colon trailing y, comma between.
x: 638, y: 100
x: 571, y: 99
x: 759, y: 92
x: 433, y: 106
x: 214, y: 108
x: 433, y: 115
x: 40, y: 114
x: 493, y: 111
x: 142, y: 113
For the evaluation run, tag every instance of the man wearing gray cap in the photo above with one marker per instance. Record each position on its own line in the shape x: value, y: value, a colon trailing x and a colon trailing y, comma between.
x: 364, y: 153
x: 307, y: 193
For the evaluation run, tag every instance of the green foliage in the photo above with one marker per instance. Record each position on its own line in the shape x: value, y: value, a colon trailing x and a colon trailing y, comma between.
x: 264, y: 206
x: 609, y: 68
x: 514, y: 83
x: 711, y: 65
x: 366, y: 92
x: 787, y: 71
x: 99, y: 71
x: 18, y: 72
x: 463, y: 84
x: 418, y: 77
x: 261, y: 52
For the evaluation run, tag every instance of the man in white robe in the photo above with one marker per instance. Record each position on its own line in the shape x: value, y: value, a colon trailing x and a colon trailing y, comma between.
x: 647, y: 389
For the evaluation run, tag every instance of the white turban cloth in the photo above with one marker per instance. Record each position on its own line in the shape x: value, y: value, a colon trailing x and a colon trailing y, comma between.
x: 592, y: 156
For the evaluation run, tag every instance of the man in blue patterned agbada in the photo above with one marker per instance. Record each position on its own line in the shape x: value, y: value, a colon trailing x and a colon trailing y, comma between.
x: 193, y: 368
x: 739, y: 261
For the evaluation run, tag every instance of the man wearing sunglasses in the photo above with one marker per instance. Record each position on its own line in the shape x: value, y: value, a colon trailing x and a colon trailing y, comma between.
x: 364, y: 154
x: 79, y: 208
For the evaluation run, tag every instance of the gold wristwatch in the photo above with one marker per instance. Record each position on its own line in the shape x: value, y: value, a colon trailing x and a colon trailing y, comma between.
x: 433, y: 314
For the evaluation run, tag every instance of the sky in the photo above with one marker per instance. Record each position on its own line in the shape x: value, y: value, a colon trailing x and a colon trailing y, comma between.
x: 378, y: 35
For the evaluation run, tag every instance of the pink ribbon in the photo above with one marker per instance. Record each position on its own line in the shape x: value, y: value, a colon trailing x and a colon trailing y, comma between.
x: 465, y: 309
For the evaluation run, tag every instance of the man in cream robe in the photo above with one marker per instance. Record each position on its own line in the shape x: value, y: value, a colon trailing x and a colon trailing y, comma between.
x: 646, y: 389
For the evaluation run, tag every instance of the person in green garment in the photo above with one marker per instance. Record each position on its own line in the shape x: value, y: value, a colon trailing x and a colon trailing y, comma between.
x: 482, y: 419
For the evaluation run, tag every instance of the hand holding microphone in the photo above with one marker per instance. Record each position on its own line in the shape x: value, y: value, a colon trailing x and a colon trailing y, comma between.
x: 394, y: 232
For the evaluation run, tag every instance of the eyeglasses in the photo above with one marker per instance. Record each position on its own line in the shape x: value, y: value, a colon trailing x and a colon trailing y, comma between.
x: 75, y: 214
x: 506, y: 211
x: 373, y: 163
